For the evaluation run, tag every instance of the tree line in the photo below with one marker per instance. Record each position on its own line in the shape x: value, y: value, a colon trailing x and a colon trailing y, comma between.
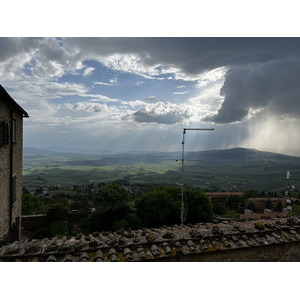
x: 113, y: 206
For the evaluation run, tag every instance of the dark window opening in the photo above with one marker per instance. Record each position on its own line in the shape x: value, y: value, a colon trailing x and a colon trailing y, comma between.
x: 4, y: 133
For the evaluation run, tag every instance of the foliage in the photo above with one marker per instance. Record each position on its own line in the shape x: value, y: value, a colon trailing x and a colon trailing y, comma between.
x: 119, y: 224
x: 81, y: 205
x: 75, y: 229
x: 59, y: 228
x: 159, y: 207
x: 99, y: 220
x: 31, y: 205
x: 111, y: 205
x: 199, y: 207
x: 252, y: 193
x: 234, y: 202
x: 231, y: 214
x: 110, y: 197
x: 133, y: 220
x: 295, y: 209
x: 219, y: 204
x: 162, y: 205
x: 57, y: 211
x: 42, y: 231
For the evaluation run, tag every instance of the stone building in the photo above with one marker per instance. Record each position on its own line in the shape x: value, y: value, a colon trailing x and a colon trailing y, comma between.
x: 11, y: 147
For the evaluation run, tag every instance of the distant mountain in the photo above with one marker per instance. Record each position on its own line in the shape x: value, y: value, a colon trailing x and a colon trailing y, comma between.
x: 63, y: 150
x: 238, y: 154
x: 36, y: 151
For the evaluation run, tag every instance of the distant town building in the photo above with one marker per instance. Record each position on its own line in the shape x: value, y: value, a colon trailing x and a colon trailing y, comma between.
x: 225, y: 194
x: 267, y: 213
x: 11, y: 147
x: 262, y: 203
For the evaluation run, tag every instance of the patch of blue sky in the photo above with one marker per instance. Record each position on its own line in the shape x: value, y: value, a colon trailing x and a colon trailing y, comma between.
x: 68, y: 99
x: 27, y: 69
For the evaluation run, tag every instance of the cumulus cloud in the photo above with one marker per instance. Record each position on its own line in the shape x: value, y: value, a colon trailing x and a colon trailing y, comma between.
x: 111, y: 82
x: 88, y: 107
x: 88, y: 71
x: 163, y: 113
x: 180, y: 93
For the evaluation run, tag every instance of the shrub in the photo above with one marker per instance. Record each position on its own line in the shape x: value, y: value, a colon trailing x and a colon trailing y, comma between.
x: 199, y: 207
x: 162, y: 205
x: 57, y: 211
x: 99, y: 220
x: 158, y: 207
x: 59, y: 228
x: 31, y: 205
x: 111, y: 197
x: 119, y: 224
x: 231, y: 214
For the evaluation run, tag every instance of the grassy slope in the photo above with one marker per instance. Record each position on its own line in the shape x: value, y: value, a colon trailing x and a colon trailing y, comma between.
x: 247, y: 169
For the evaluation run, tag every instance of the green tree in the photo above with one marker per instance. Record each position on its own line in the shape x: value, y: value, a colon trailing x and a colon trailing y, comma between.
x: 160, y: 206
x: 112, y: 204
x: 252, y: 194
x: 234, y: 202
x: 57, y: 211
x: 57, y: 216
x: 111, y: 197
x: 31, y: 205
x: 199, y: 207
x: 218, y: 204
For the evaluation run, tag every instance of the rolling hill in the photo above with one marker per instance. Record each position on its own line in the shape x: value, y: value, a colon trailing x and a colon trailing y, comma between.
x: 215, y: 169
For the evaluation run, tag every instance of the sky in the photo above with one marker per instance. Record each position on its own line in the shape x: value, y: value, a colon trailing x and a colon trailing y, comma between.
x: 138, y: 93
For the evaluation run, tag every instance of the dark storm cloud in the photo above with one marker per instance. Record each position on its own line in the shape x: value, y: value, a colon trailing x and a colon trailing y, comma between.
x: 273, y: 86
x: 191, y: 55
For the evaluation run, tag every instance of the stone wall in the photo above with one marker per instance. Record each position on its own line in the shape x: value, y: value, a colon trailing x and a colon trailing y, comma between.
x: 31, y: 223
x: 5, y: 175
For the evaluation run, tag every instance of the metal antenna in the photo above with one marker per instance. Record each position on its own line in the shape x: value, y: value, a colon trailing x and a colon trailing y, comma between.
x: 288, y: 192
x: 182, y: 211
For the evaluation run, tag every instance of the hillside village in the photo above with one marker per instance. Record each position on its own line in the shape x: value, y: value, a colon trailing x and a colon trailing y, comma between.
x: 119, y: 222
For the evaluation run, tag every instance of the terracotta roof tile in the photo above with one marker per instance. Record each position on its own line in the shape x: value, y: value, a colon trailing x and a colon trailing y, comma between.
x: 152, y: 244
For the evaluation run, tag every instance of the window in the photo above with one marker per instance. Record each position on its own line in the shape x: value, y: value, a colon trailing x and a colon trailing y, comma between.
x: 4, y: 133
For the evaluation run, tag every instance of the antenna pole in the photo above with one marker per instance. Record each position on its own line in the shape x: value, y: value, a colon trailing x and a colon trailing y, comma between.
x: 289, y: 189
x: 182, y: 210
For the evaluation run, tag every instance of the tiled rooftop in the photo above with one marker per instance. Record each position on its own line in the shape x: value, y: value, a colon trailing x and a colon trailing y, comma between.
x: 155, y: 243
